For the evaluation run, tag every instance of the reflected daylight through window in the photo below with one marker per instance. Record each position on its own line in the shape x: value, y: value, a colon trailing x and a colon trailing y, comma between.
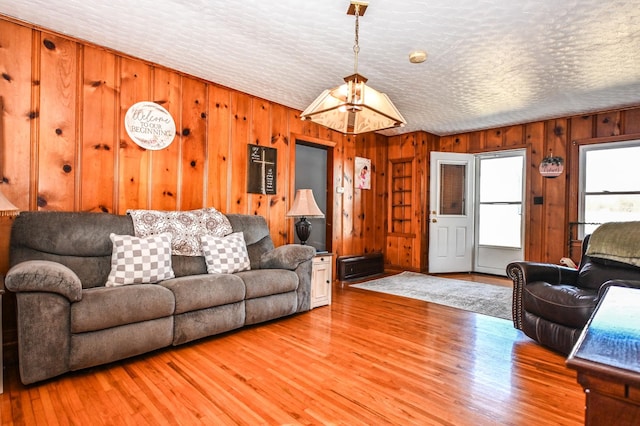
x: 500, y: 202
x: 610, y: 184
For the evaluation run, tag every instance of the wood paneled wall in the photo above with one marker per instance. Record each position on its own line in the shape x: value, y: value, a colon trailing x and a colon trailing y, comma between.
x: 547, y: 225
x: 66, y: 147
x: 409, y: 250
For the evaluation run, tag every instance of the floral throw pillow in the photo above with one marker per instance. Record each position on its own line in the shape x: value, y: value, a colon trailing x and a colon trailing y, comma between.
x: 185, y: 227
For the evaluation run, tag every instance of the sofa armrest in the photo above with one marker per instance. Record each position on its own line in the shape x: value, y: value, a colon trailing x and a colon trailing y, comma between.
x: 288, y: 256
x: 527, y: 272
x: 44, y: 276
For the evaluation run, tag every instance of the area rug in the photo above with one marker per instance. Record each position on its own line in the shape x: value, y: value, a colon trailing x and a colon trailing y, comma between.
x: 486, y: 299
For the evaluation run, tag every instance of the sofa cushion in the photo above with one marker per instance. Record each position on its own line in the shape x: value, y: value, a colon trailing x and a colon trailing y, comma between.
x: 112, y: 344
x: 69, y: 238
x: 596, y: 272
x: 563, y: 304
x: 188, y: 265
x: 208, y: 322
x: 106, y: 307
x: 225, y: 255
x: 265, y: 282
x: 257, y: 250
x: 266, y: 308
x: 205, y: 291
x: 140, y: 260
x: 256, y: 235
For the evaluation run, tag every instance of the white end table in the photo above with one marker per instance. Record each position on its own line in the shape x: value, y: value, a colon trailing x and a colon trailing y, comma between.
x: 321, y: 279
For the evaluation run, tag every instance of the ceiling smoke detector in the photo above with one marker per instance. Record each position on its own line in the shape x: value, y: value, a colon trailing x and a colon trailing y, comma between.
x: 417, y: 56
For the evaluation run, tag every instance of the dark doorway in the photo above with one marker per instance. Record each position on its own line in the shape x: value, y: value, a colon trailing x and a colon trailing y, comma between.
x: 312, y: 164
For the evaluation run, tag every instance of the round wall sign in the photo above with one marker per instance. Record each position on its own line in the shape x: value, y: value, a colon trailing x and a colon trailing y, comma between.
x: 551, y: 167
x: 150, y: 125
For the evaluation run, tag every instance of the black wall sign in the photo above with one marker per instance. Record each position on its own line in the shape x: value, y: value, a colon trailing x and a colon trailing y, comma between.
x: 262, y: 170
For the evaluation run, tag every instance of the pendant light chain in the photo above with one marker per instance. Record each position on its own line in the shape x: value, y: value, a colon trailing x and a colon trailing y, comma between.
x: 356, y: 46
x: 353, y: 107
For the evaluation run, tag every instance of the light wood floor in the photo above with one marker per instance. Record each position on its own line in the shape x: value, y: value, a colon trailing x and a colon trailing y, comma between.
x: 369, y: 358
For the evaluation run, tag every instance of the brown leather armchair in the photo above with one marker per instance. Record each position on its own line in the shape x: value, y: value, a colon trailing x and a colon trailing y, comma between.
x: 552, y: 303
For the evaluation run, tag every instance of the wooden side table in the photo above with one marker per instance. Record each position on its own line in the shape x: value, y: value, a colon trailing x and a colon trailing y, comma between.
x: 321, y: 279
x: 608, y: 360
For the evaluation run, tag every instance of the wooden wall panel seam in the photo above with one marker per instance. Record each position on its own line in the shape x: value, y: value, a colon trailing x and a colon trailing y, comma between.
x: 206, y: 159
x: 34, y: 116
x: 117, y: 131
x: 78, y: 125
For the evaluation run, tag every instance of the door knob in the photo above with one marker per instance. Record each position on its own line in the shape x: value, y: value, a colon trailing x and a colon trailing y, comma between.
x: 434, y: 220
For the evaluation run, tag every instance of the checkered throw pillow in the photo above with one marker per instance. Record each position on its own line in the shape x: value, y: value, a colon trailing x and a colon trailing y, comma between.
x: 225, y: 255
x: 140, y: 260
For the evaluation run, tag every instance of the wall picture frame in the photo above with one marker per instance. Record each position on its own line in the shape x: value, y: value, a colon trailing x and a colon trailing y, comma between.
x: 262, y: 170
x: 362, y: 178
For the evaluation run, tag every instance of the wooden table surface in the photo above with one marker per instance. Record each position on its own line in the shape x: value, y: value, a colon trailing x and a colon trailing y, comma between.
x: 607, y: 358
x: 612, y: 337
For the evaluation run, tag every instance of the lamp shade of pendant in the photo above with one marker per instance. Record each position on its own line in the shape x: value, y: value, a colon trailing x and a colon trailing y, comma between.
x: 354, y: 108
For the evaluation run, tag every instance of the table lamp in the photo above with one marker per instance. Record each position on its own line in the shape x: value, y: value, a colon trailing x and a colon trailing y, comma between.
x: 304, y: 206
x: 6, y: 207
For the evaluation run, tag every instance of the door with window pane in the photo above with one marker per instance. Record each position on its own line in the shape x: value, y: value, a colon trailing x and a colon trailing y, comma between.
x: 499, y: 210
x: 451, y: 214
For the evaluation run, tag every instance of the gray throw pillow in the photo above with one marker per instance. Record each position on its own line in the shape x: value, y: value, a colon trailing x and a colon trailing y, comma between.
x: 225, y: 255
x: 140, y: 260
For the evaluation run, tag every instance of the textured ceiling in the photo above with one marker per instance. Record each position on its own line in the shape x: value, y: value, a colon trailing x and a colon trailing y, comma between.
x: 491, y: 62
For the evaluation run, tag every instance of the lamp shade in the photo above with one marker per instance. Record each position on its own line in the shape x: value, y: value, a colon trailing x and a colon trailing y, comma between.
x: 354, y: 108
x: 6, y: 207
x: 304, y: 205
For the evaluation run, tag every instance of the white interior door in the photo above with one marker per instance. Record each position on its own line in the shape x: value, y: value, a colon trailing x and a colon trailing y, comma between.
x: 451, y: 212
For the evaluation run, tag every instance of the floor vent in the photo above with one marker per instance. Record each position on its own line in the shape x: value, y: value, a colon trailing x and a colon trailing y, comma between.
x: 360, y: 266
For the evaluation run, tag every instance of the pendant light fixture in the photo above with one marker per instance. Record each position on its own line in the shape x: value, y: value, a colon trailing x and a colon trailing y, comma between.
x: 354, y: 107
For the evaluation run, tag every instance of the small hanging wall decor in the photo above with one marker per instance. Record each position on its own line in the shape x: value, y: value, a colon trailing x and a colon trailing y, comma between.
x: 262, y: 170
x: 363, y: 173
x: 149, y: 125
x: 551, y: 166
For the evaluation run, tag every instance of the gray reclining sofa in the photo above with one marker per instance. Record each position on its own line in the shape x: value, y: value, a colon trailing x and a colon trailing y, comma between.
x: 67, y: 318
